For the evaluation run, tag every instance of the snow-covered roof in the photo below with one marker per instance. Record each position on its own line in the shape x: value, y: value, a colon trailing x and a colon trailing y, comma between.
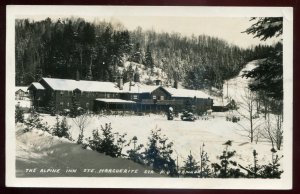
x: 114, y: 100
x: 37, y: 85
x: 83, y: 85
x: 23, y: 88
x: 138, y: 88
x: 220, y: 102
x: 186, y: 93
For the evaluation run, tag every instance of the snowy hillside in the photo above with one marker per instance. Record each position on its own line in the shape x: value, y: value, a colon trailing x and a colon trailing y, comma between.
x: 235, y: 88
x: 147, y: 75
x: 238, y: 86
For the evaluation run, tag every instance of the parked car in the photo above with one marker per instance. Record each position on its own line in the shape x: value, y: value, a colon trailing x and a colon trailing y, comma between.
x: 187, y: 116
x: 65, y: 112
x: 233, y: 118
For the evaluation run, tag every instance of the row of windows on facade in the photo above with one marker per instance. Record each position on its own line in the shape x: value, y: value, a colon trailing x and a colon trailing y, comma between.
x: 88, y: 104
x: 88, y: 94
x: 108, y: 95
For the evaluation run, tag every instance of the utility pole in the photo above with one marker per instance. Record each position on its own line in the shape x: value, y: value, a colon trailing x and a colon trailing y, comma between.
x: 227, y: 87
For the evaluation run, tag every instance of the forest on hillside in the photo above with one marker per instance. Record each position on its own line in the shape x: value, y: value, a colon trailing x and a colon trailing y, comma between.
x: 59, y: 48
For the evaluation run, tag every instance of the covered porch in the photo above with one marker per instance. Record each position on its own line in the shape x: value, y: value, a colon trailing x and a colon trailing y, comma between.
x: 113, y: 104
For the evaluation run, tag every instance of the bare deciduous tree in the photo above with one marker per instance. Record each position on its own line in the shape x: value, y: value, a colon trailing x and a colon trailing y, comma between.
x: 247, y: 109
x: 273, y: 131
x: 81, y: 122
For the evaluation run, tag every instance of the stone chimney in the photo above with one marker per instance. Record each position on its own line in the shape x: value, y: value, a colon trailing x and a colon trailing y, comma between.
x: 158, y: 82
x: 120, y: 83
x: 77, y: 75
x: 176, y: 84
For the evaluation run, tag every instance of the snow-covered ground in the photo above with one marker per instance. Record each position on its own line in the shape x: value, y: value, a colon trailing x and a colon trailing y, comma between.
x: 26, y: 103
x: 186, y: 136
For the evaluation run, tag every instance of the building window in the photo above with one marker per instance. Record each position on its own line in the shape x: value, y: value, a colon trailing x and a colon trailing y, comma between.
x: 107, y: 95
x: 61, y: 93
x: 61, y: 103
x: 135, y: 97
x: 154, y: 97
x: 87, y: 105
x: 162, y: 98
x: 68, y: 104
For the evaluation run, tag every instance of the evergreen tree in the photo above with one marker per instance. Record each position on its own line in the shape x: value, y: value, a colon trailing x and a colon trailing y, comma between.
x: 272, y: 169
x: 148, y: 58
x: 105, y: 143
x: 75, y: 106
x: 61, y: 129
x: 265, y: 28
x: 19, y: 115
x: 135, y: 153
x: 33, y: 121
x: 137, y: 55
x: 205, y: 170
x: 51, y: 105
x: 227, y: 167
x: 158, y: 154
x: 56, y: 129
x: 191, y: 167
x: 136, y: 77
x: 268, y: 75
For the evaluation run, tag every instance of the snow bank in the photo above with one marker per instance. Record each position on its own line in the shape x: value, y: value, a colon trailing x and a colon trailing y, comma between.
x: 53, y: 156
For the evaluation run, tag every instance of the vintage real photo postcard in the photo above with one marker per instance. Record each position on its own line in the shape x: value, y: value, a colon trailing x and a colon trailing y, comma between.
x: 149, y: 97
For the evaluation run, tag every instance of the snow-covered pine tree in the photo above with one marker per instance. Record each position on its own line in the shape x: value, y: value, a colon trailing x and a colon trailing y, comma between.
x: 51, y: 105
x: 33, y: 121
x: 205, y: 170
x: 137, y: 55
x: 56, y: 128
x: 227, y: 167
x: 148, y: 58
x: 61, y: 129
x: 272, y: 169
x: 158, y: 154
x: 135, y: 153
x: 105, y: 143
x: 191, y: 167
x: 136, y: 77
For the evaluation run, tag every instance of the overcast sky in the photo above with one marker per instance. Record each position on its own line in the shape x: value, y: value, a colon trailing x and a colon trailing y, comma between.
x: 223, y: 22
x: 228, y: 29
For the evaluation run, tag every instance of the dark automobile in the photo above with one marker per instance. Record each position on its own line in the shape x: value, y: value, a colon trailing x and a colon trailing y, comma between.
x: 187, y: 116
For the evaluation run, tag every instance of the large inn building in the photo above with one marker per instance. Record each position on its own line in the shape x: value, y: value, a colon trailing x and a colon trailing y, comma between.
x: 96, y: 96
